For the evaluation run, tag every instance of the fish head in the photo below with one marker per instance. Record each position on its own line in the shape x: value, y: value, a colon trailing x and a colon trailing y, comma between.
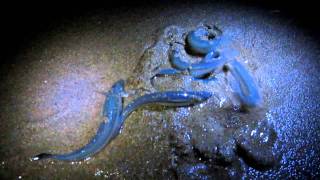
x: 201, y: 96
x: 118, y: 87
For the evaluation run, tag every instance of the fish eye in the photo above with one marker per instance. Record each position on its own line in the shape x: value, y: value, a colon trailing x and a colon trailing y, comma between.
x: 216, y: 54
x: 211, y: 36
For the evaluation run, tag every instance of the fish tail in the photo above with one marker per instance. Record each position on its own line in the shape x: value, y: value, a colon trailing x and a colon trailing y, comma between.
x: 41, y: 156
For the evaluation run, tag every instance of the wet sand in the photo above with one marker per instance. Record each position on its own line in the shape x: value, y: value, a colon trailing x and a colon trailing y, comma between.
x: 51, y: 103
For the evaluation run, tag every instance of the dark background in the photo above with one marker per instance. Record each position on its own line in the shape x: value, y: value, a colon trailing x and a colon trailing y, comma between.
x: 21, y: 22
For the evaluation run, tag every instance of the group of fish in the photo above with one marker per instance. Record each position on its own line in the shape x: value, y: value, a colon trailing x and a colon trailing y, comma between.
x: 213, y: 62
x: 206, y: 41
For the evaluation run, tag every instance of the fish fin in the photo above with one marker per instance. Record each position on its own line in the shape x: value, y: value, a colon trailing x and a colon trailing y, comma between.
x: 124, y: 94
